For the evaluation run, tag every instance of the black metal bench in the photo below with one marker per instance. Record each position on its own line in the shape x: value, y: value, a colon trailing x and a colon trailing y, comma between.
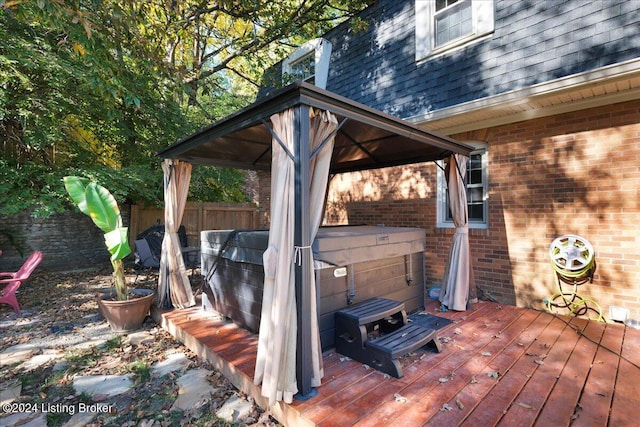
x: 376, y: 332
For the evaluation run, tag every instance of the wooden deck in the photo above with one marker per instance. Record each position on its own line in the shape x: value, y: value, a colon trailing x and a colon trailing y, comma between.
x: 500, y: 365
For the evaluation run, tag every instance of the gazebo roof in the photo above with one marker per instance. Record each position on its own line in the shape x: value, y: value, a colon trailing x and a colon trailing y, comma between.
x: 368, y: 139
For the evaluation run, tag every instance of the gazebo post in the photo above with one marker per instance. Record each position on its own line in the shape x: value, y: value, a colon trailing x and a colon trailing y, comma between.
x: 302, y: 243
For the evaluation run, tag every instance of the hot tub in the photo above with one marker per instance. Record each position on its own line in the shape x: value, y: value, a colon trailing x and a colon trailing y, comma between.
x: 352, y: 264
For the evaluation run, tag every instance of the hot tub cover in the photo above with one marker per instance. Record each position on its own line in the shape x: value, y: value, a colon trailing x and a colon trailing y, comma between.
x: 333, y: 246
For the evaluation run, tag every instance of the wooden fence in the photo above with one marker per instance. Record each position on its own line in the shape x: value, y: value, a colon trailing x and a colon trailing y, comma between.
x: 198, y: 216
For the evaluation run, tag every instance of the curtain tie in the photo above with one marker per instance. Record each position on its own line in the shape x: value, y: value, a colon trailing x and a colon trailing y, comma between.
x: 297, y: 254
x: 464, y: 229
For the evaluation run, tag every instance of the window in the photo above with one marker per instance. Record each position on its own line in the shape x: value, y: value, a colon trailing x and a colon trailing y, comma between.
x: 477, y: 191
x: 446, y: 24
x: 304, y: 68
x: 452, y: 20
x: 310, y: 63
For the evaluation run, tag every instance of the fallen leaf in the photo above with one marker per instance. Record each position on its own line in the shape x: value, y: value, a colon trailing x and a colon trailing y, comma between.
x: 446, y: 407
x: 539, y: 362
x: 486, y: 354
x: 444, y: 380
x: 493, y: 374
x: 459, y: 404
x: 457, y: 331
x: 400, y: 398
x: 473, y: 380
x: 524, y: 405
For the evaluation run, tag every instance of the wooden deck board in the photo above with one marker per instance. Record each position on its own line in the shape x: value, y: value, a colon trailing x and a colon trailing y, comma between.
x: 561, y: 403
x: 480, y: 357
x: 549, y: 364
x: 509, y: 382
x: 598, y: 390
x: 626, y: 398
x: 582, y: 379
x: 505, y: 351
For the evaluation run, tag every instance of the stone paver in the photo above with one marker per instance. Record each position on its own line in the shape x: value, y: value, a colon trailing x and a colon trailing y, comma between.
x: 194, y: 391
x: 235, y: 409
x: 24, y: 419
x: 10, y: 391
x: 139, y: 338
x: 100, y: 387
x: 18, y: 353
x: 41, y: 359
x: 173, y: 362
x: 80, y: 419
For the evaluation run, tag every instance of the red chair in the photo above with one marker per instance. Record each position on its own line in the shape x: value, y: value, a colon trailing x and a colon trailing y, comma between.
x: 12, y: 281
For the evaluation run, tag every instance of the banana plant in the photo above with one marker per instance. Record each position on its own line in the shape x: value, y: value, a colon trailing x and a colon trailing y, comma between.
x: 97, y: 202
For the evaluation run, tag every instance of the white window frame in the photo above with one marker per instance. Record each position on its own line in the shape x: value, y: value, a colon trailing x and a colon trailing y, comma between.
x: 321, y: 49
x: 443, y: 208
x: 482, y: 15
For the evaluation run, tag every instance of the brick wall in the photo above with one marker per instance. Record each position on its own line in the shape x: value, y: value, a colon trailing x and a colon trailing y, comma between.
x: 575, y: 173
x: 68, y: 241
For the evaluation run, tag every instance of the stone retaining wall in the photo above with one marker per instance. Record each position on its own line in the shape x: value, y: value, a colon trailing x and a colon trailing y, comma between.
x: 69, y: 241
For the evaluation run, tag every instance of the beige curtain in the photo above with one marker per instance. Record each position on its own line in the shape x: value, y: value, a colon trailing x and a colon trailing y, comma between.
x: 276, y: 359
x: 323, y: 123
x: 174, y: 288
x: 458, y: 275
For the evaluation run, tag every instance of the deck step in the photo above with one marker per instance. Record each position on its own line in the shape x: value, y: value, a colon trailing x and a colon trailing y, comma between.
x: 408, y: 338
x: 372, y: 310
x: 375, y: 332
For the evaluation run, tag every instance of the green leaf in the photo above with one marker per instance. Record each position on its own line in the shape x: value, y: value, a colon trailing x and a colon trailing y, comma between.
x: 76, y: 187
x: 103, y: 208
x: 117, y: 242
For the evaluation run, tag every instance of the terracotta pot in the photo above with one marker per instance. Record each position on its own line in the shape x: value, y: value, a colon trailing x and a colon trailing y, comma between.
x: 127, y: 315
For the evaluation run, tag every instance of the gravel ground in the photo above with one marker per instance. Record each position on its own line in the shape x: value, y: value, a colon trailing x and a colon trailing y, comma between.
x: 61, y: 327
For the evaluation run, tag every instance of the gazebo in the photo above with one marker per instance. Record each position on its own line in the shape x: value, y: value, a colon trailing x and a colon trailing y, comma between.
x: 303, y: 134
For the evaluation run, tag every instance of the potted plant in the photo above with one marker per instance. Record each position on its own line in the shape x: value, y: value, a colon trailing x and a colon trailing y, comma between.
x: 125, y: 309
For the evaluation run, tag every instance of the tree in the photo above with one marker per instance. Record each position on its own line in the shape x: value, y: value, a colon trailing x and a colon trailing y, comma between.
x: 61, y: 113
x: 96, y: 88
